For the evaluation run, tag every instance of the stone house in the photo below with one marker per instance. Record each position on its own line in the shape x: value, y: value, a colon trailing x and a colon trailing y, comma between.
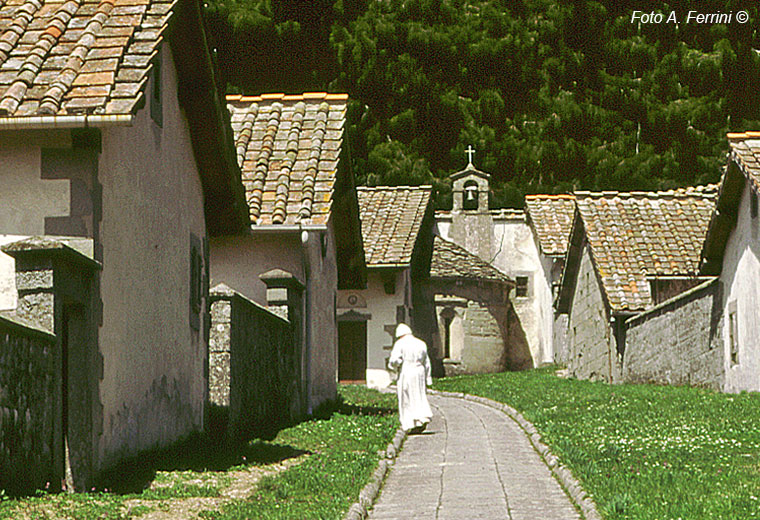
x: 732, y: 252
x: 466, y: 315
x: 396, y: 231
x: 502, y: 238
x: 550, y: 218
x: 117, y: 159
x: 627, y: 253
x: 305, y: 233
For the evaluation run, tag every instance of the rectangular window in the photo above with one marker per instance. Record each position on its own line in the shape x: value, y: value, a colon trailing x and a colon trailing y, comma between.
x: 733, y: 333
x: 196, y: 282
x: 521, y: 290
x: 752, y: 203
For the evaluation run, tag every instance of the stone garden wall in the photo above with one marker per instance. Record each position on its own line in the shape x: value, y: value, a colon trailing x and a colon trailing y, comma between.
x: 678, y: 342
x: 254, y: 365
x: 29, y: 387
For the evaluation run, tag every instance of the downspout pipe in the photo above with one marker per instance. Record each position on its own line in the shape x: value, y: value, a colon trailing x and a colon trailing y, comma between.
x: 306, y: 315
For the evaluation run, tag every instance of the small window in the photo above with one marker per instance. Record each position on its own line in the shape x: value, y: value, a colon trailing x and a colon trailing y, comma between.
x: 470, y: 195
x: 521, y: 290
x: 400, y: 314
x: 753, y: 204
x: 733, y: 333
x: 196, y: 281
x: 156, y: 106
x: 448, y: 316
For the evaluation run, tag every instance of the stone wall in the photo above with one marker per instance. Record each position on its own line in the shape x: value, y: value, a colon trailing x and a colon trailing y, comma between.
x: 592, y: 352
x: 254, y: 365
x: 678, y: 342
x: 29, y: 395
x: 484, y: 331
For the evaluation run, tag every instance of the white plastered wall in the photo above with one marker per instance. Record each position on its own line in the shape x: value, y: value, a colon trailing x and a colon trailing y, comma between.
x: 382, y: 310
x: 514, y: 253
x: 740, y: 277
x: 544, y: 300
x: 25, y: 201
x: 237, y: 261
x: 321, y: 324
x: 25, y: 198
x: 153, y: 384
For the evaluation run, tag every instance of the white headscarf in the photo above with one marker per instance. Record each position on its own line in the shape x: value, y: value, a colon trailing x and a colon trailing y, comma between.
x: 402, y: 330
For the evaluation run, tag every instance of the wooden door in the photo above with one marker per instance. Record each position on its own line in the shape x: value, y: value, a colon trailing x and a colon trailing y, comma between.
x: 352, y: 351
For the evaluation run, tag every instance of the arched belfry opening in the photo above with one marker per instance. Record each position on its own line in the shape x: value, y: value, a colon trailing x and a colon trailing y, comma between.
x: 470, y: 187
x: 470, y: 201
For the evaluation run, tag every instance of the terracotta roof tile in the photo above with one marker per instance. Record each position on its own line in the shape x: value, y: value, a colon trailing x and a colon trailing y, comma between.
x: 450, y: 261
x: 288, y: 157
x: 552, y: 218
x: 391, y: 218
x: 639, y: 234
x: 51, y: 52
x: 745, y: 151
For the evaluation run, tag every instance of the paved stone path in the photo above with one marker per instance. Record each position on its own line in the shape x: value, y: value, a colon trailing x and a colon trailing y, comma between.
x: 473, y: 462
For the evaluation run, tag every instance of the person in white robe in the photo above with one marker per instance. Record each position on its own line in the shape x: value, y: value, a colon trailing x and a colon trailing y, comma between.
x: 410, y: 354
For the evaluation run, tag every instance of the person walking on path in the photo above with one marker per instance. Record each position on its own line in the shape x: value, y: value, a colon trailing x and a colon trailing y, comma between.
x: 474, y: 463
x: 410, y: 354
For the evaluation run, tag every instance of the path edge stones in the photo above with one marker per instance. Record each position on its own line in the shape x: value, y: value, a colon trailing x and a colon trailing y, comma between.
x: 370, y: 492
x: 572, y: 487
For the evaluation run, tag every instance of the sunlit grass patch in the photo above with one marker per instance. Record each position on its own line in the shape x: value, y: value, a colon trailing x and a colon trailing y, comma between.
x: 344, y: 453
x: 642, y: 451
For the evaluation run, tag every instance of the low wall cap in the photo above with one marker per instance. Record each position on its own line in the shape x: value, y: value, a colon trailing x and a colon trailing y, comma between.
x: 37, y: 246
x: 281, y: 278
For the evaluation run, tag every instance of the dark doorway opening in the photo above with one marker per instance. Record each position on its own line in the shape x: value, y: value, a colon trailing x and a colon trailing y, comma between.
x: 352, y: 351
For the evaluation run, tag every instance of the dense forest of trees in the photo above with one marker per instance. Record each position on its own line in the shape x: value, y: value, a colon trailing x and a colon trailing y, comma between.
x: 554, y: 96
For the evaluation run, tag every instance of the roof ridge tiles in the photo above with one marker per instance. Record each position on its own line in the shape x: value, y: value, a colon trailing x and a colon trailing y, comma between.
x: 281, y: 96
x: 743, y: 135
x: 396, y: 188
x: 703, y: 190
x: 565, y: 196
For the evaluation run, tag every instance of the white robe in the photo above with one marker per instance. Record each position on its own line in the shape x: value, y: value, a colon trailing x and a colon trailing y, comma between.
x: 411, y: 355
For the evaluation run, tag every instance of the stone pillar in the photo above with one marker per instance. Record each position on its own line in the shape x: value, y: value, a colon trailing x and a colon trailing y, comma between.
x: 284, y: 296
x: 220, y: 345
x: 55, y: 293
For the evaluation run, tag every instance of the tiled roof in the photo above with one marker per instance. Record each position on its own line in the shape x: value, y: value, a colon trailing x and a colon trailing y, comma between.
x: 745, y: 151
x: 77, y: 56
x: 552, y: 218
x: 636, y: 234
x: 451, y: 261
x: 391, y: 218
x: 288, y: 147
x: 743, y: 166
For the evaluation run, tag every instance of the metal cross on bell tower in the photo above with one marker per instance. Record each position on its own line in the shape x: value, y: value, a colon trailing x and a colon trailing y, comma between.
x: 470, y: 152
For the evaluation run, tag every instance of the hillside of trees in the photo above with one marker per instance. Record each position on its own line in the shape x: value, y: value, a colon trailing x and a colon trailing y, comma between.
x: 553, y: 96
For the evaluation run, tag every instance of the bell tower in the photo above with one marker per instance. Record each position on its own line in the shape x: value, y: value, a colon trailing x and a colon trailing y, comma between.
x: 470, y: 187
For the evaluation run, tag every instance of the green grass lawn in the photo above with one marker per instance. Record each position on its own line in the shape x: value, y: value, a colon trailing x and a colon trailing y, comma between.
x: 336, y: 455
x: 344, y: 455
x: 642, y: 452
